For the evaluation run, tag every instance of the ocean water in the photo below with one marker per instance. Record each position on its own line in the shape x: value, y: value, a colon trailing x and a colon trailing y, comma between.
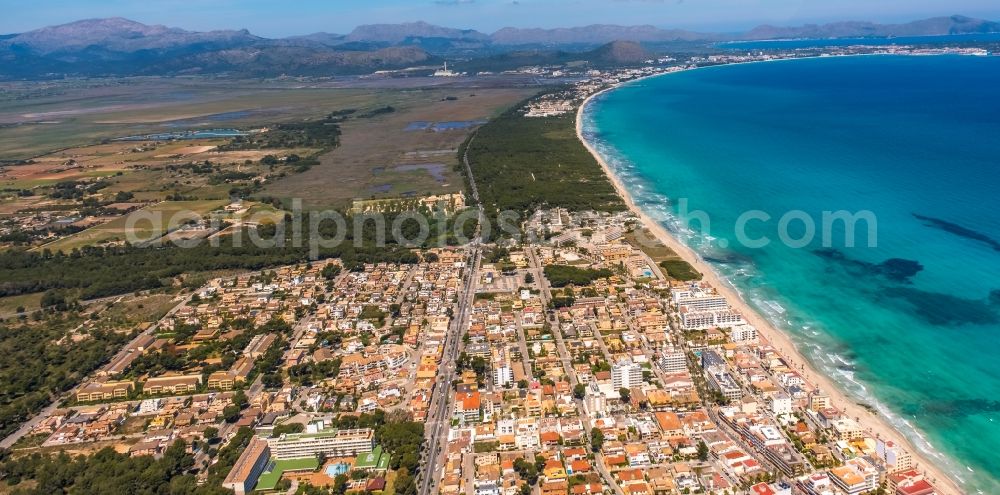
x: 909, y: 323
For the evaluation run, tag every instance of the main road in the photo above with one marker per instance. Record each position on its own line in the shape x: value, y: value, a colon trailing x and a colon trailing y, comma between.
x: 438, y: 422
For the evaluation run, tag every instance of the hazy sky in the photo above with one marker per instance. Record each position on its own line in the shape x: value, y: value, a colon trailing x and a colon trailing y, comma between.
x: 287, y: 17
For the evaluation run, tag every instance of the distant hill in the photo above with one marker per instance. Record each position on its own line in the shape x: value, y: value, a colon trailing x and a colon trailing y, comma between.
x: 328, y: 39
x: 623, y: 52
x: 928, y: 27
x: 614, y: 54
x: 396, y: 33
x: 596, y: 34
x: 122, y: 35
x: 121, y: 47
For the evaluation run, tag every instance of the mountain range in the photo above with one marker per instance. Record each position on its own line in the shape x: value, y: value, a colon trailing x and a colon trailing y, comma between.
x: 121, y: 47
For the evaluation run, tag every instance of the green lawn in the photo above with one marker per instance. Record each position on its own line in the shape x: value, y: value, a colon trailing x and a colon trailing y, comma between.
x: 269, y: 479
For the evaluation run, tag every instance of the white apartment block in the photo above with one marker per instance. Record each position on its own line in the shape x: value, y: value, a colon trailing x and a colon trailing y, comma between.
x: 744, y: 333
x: 781, y: 405
x: 503, y: 376
x: 701, y: 320
x: 328, y: 442
x: 595, y: 402
x: 673, y: 361
x: 896, y: 458
x: 698, y: 300
x: 626, y: 374
x: 725, y: 384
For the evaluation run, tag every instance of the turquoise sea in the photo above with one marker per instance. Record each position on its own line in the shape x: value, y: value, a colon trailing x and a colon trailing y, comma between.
x: 910, y: 325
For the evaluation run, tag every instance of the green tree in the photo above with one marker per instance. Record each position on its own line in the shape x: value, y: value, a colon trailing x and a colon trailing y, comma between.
x: 330, y: 271
x: 526, y: 470
x: 231, y: 413
x: 340, y: 484
x: 211, y: 433
x: 240, y: 399
x: 702, y: 451
x: 272, y: 380
x: 405, y: 483
x: 596, y: 439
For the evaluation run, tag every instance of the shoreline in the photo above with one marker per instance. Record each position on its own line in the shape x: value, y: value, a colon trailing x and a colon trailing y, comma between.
x: 874, y: 424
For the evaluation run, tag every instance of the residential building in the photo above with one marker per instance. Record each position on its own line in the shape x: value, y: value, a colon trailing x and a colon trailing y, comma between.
x: 856, y: 476
x: 503, y: 376
x: 909, y: 482
x: 467, y: 407
x: 221, y: 380
x: 673, y: 361
x: 781, y: 405
x: 171, y: 384
x: 626, y: 374
x: 895, y: 457
x: 317, y: 440
x: 725, y: 384
x: 819, y: 401
x: 95, y: 391
x: 243, y: 476
x: 698, y: 300
x: 847, y: 429
x: 744, y: 333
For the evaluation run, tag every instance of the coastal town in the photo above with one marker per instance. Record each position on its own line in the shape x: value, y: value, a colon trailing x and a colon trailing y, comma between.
x: 546, y: 336
x: 590, y: 362
x: 594, y: 81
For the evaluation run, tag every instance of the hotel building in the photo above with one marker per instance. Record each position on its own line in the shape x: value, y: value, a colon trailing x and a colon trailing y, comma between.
x: 322, y: 441
x: 698, y: 299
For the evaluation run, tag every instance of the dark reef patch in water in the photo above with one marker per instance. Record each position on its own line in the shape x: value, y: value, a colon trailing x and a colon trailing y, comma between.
x: 895, y: 269
x: 944, y: 309
x: 960, y: 407
x: 960, y: 231
x: 728, y: 258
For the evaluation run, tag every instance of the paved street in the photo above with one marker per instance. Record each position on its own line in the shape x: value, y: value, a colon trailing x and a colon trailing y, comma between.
x: 438, y: 419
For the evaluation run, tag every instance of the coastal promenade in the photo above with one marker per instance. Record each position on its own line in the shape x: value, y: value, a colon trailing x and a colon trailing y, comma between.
x: 873, y: 424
